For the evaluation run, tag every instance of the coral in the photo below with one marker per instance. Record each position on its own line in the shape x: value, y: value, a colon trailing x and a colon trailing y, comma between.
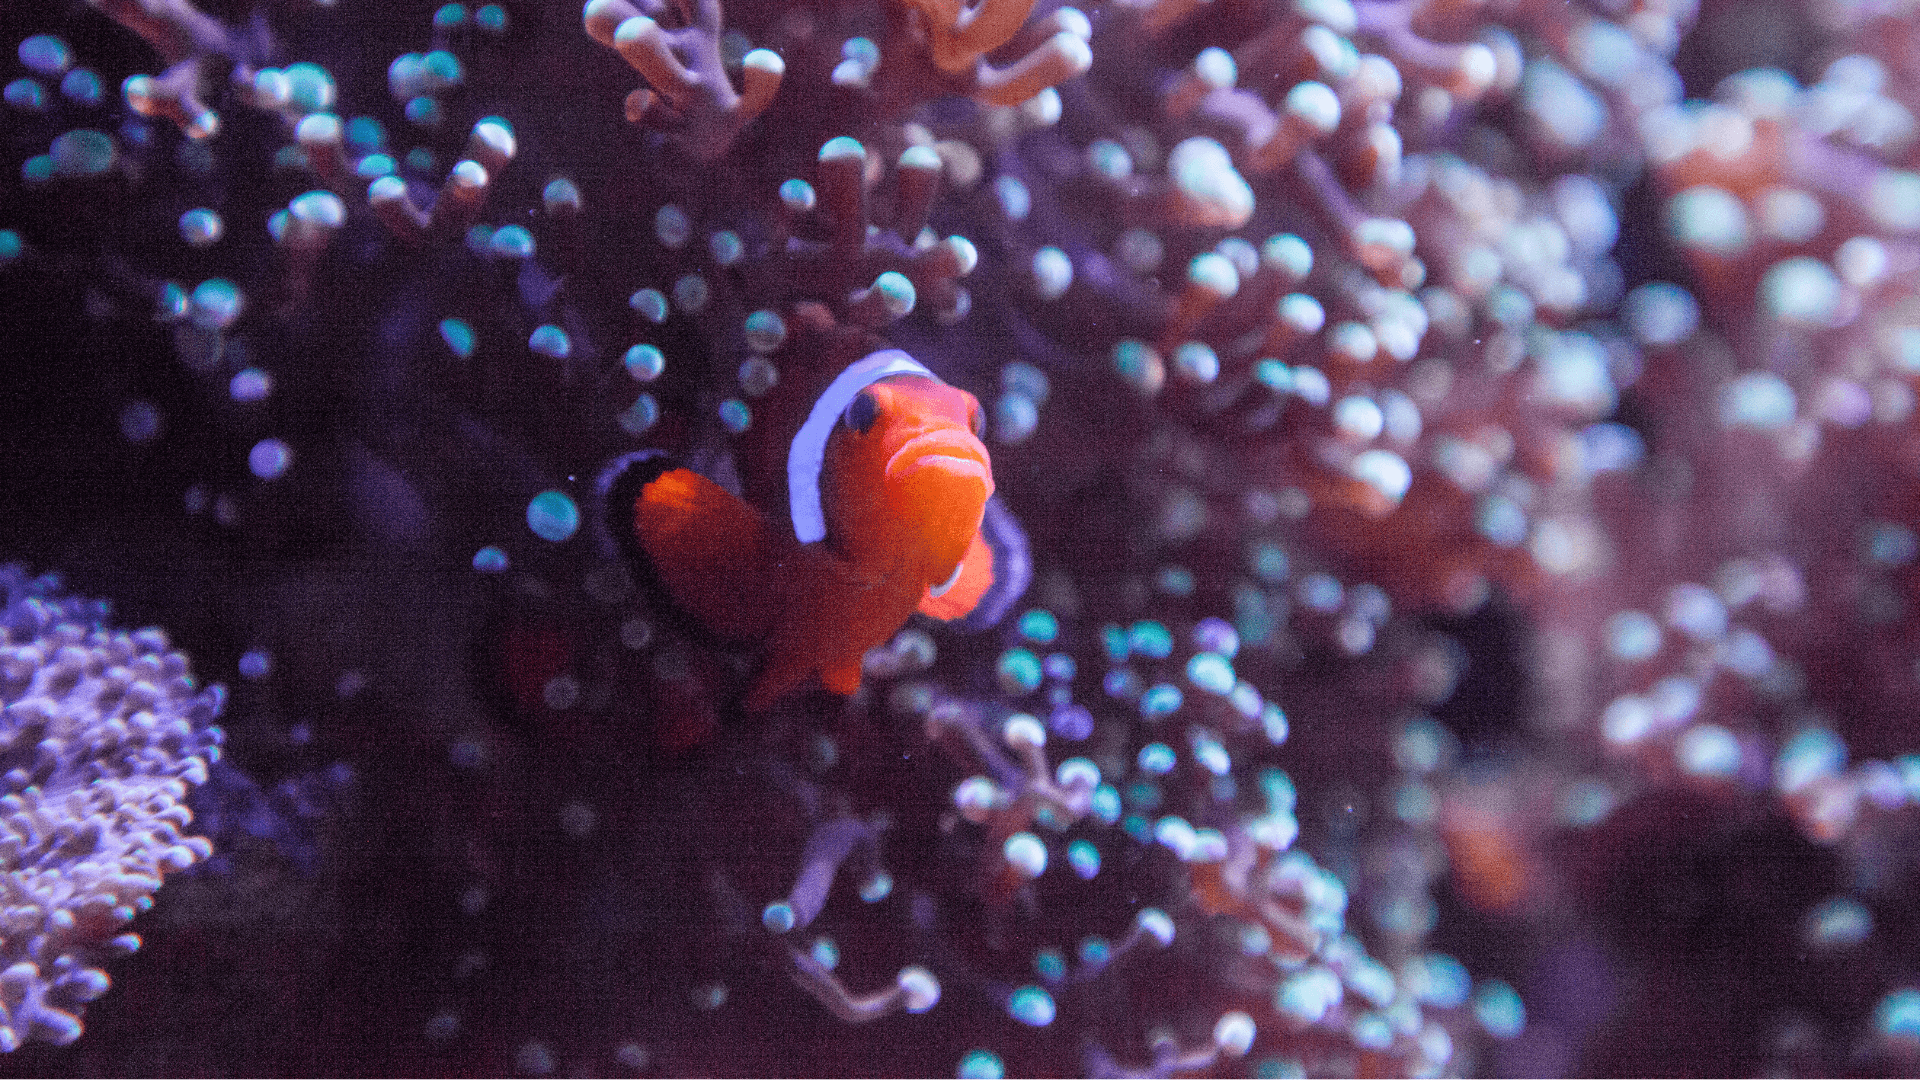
x: 105, y: 732
x: 193, y: 45
x: 692, y: 95
x: 956, y: 37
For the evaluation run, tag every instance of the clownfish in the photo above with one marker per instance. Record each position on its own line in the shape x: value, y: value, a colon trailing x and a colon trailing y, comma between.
x: 888, y: 507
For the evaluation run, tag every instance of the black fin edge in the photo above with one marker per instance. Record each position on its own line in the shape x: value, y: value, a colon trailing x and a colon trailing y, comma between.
x: 616, y: 489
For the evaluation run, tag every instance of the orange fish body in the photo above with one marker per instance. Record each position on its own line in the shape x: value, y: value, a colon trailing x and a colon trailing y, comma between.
x: 887, y: 487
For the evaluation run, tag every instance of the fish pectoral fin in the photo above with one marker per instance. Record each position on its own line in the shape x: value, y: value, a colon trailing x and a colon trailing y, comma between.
x: 956, y: 598
x: 716, y: 557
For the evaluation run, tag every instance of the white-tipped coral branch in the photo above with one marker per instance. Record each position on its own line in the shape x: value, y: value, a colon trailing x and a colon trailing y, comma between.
x: 188, y: 40
x: 1027, y: 788
x: 1233, y: 1036
x: 955, y: 38
x: 873, y: 275
x: 914, y: 989
x: 1282, y: 896
x: 831, y: 845
x: 688, y: 90
x: 410, y: 215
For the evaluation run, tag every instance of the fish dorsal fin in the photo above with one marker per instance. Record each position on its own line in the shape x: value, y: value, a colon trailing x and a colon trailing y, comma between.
x: 808, y: 452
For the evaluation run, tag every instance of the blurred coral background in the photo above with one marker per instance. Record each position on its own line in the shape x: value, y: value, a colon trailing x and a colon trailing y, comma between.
x: 1466, y: 450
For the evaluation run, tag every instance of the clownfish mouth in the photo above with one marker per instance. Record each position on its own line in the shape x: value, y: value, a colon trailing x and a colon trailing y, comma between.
x: 951, y: 451
x: 938, y: 486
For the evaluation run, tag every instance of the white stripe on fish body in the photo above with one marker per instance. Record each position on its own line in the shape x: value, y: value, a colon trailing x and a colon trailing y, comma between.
x: 808, y: 453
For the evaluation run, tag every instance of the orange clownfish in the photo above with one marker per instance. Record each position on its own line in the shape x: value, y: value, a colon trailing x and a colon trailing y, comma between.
x: 888, y: 492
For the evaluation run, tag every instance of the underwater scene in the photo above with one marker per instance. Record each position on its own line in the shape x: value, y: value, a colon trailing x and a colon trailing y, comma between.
x: 960, y: 538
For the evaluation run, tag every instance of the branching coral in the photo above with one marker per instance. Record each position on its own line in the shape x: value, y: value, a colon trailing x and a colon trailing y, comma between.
x: 956, y: 37
x: 688, y: 88
x: 193, y: 45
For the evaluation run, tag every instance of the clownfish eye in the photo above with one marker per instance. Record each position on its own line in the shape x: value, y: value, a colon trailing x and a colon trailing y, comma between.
x: 861, y: 412
x: 976, y: 420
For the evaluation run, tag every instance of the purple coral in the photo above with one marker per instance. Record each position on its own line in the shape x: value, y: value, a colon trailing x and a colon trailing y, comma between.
x: 103, y: 732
